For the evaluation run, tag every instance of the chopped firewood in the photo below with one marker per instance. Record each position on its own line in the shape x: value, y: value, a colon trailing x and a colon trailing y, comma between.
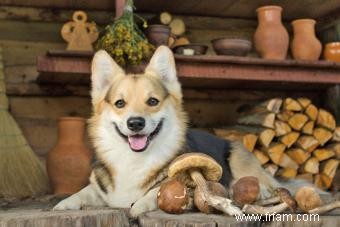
x: 336, y: 148
x: 298, y: 155
x: 323, y: 154
x: 322, y: 181
x: 312, y: 112
x: 271, y: 168
x: 271, y: 105
x: 297, y: 121
x: 249, y: 142
x: 308, y: 128
x: 165, y: 18
x: 281, y: 128
x: 266, y: 137
x: 261, y: 156
x: 305, y: 176
x: 177, y: 26
x: 304, y: 102
x: 322, y: 135
x: 275, y: 152
x: 329, y: 167
x: 229, y: 134
x: 289, y: 139
x: 262, y: 118
x: 308, y: 143
x: 336, y: 135
x: 284, y: 115
x: 291, y: 104
x: 326, y: 119
x: 287, y: 173
x: 287, y: 162
x: 311, y: 166
x: 171, y: 41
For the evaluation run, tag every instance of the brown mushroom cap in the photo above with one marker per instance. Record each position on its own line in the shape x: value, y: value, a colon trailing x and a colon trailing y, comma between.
x: 286, y: 197
x: 173, y: 197
x: 180, y: 167
x: 307, y: 198
x: 246, y: 190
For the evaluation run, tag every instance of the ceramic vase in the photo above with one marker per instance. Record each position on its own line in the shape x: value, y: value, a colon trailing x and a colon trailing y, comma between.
x: 271, y: 37
x: 332, y: 51
x: 69, y: 162
x: 305, y: 45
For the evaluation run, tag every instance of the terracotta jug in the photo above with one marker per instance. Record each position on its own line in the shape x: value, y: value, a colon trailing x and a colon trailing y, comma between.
x: 332, y: 51
x: 305, y: 45
x: 271, y: 37
x: 69, y: 162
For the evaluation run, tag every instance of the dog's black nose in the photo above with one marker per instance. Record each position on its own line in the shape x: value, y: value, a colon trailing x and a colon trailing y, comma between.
x: 136, y: 124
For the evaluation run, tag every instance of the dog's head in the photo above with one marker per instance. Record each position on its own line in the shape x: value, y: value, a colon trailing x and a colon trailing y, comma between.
x: 136, y: 110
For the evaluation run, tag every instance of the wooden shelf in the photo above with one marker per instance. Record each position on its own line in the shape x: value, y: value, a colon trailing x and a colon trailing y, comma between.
x: 60, y: 67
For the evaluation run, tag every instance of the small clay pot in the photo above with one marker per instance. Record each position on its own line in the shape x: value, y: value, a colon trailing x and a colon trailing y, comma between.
x: 231, y: 46
x: 271, y: 37
x: 305, y: 45
x: 158, y: 34
x: 69, y: 162
x: 332, y: 51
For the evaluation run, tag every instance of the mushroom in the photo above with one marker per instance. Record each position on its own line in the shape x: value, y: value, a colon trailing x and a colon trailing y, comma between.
x: 287, y: 201
x: 194, y: 169
x: 216, y: 189
x: 307, y: 198
x: 246, y: 190
x: 325, y: 208
x: 173, y: 197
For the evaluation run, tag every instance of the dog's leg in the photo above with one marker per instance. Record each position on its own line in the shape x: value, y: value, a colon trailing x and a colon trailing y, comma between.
x: 87, y: 196
x: 146, y: 203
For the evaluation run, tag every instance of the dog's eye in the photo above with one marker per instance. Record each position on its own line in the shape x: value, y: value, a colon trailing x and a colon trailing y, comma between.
x: 120, y: 103
x: 152, y: 102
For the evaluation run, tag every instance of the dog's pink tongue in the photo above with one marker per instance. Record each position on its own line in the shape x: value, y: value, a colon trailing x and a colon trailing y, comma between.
x: 137, y: 142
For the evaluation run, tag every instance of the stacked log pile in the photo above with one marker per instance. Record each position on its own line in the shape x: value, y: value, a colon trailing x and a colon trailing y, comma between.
x: 292, y: 138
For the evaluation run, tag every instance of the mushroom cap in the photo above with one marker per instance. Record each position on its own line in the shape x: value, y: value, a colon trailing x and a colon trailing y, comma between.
x: 181, y: 165
x: 173, y: 197
x: 286, y: 197
x: 246, y: 190
x: 307, y: 198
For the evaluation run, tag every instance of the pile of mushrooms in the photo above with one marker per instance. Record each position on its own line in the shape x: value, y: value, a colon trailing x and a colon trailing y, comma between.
x: 195, y: 169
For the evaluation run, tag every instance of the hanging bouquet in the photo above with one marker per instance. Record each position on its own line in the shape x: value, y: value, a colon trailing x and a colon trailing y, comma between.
x: 124, y: 41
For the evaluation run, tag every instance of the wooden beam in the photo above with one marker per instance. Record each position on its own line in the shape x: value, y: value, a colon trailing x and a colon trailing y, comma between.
x: 212, y: 71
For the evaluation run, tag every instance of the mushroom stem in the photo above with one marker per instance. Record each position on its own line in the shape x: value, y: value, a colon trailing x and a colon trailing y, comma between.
x: 325, y: 208
x: 218, y: 202
x: 269, y: 201
x: 255, y: 209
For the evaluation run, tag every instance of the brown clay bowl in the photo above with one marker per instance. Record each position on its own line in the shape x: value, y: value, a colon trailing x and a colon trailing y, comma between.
x: 158, y: 34
x: 231, y: 46
x: 191, y: 49
x: 332, y: 51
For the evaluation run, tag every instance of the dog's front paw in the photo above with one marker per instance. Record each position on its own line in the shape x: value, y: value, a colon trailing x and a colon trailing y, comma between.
x: 141, y: 206
x: 68, y: 204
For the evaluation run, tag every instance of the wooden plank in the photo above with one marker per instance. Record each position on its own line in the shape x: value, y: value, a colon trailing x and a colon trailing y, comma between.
x: 212, y: 71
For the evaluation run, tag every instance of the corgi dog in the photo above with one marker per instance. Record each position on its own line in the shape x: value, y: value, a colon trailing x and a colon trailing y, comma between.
x: 138, y: 127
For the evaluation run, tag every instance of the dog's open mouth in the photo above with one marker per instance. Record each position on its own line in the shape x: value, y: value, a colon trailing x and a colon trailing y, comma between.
x: 140, y: 142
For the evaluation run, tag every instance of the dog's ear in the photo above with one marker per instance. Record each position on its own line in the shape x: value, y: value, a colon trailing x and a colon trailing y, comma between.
x: 162, y: 64
x: 104, y: 71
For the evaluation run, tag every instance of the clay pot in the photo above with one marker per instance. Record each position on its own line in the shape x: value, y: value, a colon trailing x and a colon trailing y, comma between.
x: 231, y: 46
x: 271, y: 38
x: 69, y: 162
x: 305, y: 45
x: 332, y: 51
x: 158, y: 34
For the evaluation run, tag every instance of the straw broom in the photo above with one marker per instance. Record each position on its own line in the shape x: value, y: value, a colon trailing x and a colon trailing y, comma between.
x: 21, y: 172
